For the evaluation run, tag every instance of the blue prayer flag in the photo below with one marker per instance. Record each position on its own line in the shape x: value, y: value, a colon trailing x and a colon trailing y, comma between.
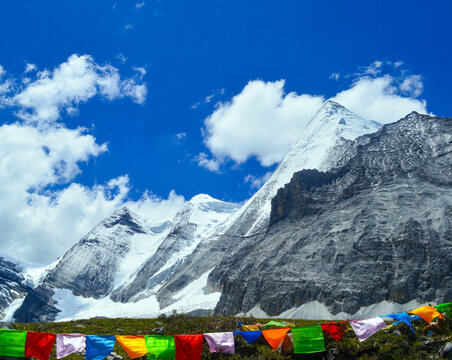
x: 249, y: 336
x: 401, y: 317
x: 99, y: 347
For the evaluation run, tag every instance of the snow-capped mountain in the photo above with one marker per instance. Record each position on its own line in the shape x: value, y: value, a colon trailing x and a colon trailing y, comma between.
x: 326, y: 143
x: 123, y: 255
x: 376, y: 230
x: 363, y: 199
x: 322, y: 145
x: 195, y: 222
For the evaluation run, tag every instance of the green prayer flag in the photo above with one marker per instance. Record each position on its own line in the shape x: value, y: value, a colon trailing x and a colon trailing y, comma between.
x: 160, y: 347
x: 444, y: 308
x: 12, y: 343
x: 273, y: 323
x: 308, y: 339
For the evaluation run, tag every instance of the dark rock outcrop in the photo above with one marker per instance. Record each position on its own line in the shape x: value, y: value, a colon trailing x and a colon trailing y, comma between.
x: 12, y: 283
x: 378, y: 228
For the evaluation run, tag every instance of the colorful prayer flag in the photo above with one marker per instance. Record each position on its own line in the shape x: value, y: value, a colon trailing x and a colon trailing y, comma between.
x: 39, y: 345
x: 365, y: 328
x: 221, y: 342
x: 274, y: 323
x: 160, y: 347
x: 334, y: 329
x: 428, y: 313
x: 68, y: 344
x: 134, y: 346
x: 445, y: 308
x: 308, y: 339
x: 188, y: 347
x: 275, y: 336
x: 249, y: 336
x: 99, y: 347
x: 401, y: 317
x: 250, y: 327
x: 12, y: 343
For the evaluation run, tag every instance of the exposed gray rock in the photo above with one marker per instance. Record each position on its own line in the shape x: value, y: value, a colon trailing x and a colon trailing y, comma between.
x: 90, y: 266
x: 185, y: 234
x: 325, y: 144
x: 12, y: 283
x: 38, y: 306
x: 378, y: 228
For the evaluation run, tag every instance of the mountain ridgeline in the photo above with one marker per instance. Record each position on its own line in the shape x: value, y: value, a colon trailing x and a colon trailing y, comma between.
x: 355, y: 214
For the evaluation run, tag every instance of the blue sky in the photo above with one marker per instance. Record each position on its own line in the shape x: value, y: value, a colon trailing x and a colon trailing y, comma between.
x: 180, y: 63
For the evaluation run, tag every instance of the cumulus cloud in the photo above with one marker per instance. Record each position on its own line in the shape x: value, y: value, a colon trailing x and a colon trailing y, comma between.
x: 43, y: 210
x: 71, y: 83
x: 30, y: 67
x: 263, y: 121
x: 210, y: 164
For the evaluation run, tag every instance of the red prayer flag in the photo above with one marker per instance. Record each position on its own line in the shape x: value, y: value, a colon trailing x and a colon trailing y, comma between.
x: 39, y: 345
x: 188, y: 347
x: 335, y: 330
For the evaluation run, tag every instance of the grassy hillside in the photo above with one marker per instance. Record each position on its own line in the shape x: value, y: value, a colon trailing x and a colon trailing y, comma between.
x: 394, y: 343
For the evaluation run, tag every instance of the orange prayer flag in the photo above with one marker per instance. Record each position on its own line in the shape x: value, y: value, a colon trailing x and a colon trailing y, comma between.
x: 275, y: 336
x: 428, y: 313
x: 134, y: 346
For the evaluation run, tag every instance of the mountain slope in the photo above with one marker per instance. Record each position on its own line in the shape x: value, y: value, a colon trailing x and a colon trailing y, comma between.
x: 12, y: 283
x: 99, y: 263
x: 195, y: 222
x: 376, y: 229
x: 124, y: 259
x: 325, y: 143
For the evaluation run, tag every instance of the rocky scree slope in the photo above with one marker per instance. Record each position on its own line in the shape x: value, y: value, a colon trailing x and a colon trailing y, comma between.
x: 378, y: 228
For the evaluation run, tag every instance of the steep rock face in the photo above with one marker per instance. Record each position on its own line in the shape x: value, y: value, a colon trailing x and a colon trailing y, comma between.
x: 195, y: 222
x: 90, y: 268
x: 38, y: 306
x: 99, y: 263
x: 378, y: 228
x: 123, y: 259
x: 12, y: 283
x: 326, y: 143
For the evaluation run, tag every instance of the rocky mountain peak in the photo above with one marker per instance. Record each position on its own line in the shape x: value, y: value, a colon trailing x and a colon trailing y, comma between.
x: 126, y: 218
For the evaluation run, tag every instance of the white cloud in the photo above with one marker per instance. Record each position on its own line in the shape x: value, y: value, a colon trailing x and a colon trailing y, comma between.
x: 373, y: 69
x: 335, y: 76
x: 210, y: 164
x: 43, y: 211
x: 257, y: 181
x: 30, y: 67
x: 155, y: 208
x: 208, y: 99
x: 121, y: 58
x: 73, y: 82
x: 140, y: 70
x: 181, y: 135
x: 139, y: 5
x: 412, y: 85
x: 378, y: 99
x: 263, y: 121
x: 128, y: 27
